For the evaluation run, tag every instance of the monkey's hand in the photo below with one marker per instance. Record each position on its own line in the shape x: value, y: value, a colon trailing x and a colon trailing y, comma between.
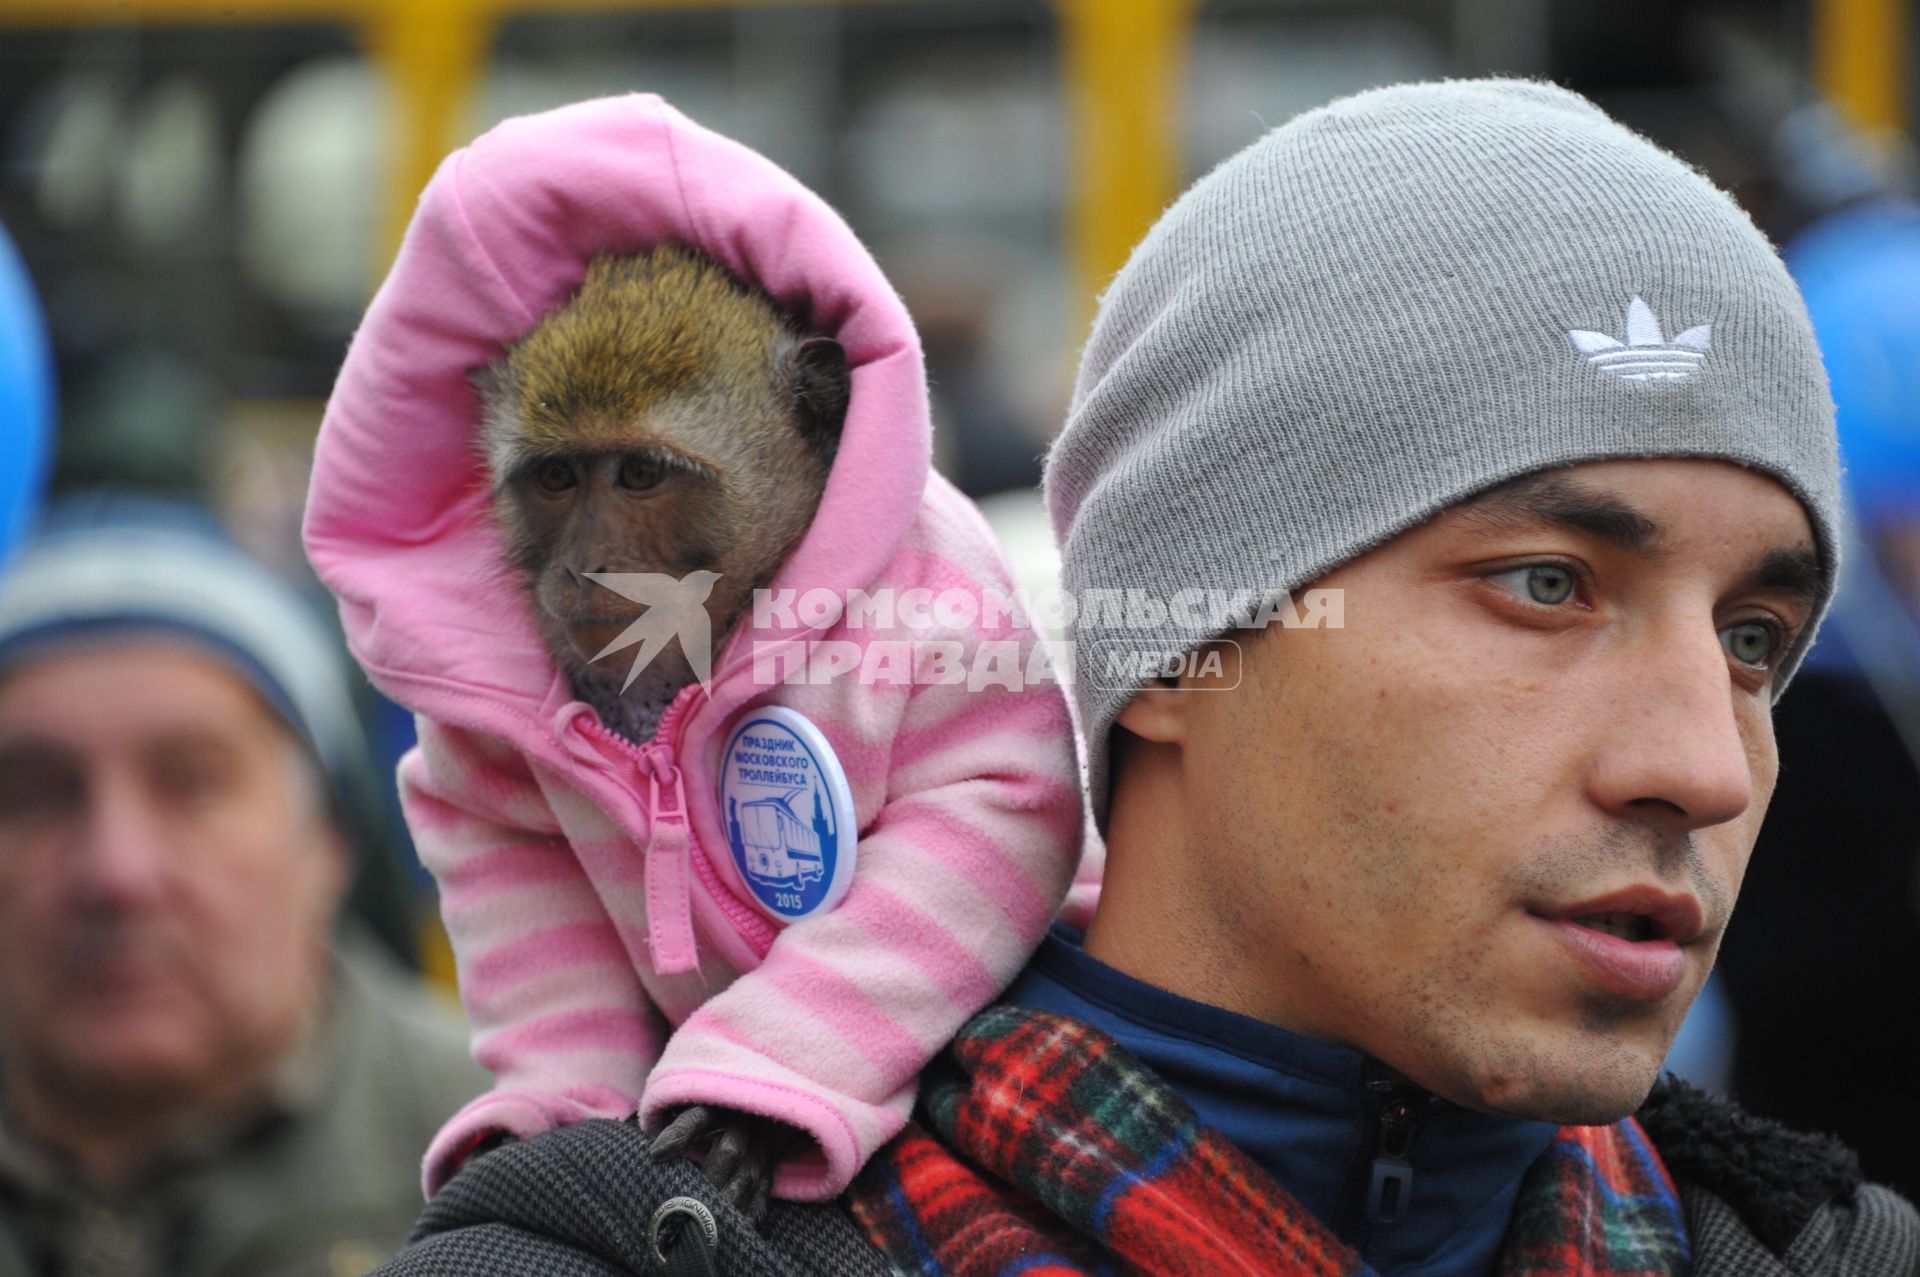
x: 742, y: 1150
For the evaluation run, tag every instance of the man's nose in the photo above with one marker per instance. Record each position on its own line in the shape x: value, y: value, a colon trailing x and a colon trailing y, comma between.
x: 122, y: 853
x: 1675, y: 750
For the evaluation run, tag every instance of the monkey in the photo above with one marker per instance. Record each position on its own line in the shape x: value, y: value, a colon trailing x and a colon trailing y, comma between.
x: 670, y: 419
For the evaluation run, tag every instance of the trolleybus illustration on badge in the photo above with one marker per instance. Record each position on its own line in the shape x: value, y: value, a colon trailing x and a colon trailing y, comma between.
x: 788, y: 812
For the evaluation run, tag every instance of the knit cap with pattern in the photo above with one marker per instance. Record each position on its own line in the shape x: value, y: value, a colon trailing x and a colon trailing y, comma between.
x: 1386, y: 305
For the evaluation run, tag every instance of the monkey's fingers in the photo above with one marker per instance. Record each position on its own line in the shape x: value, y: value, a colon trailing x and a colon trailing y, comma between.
x: 752, y: 1189
x: 688, y: 1125
x: 752, y: 1186
x: 732, y: 1149
x: 741, y: 1162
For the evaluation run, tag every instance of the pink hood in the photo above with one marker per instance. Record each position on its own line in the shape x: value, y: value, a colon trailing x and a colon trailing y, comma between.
x: 398, y: 521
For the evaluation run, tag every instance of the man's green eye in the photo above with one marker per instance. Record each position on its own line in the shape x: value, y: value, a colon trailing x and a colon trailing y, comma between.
x: 1542, y: 582
x: 1549, y: 584
x: 1750, y: 644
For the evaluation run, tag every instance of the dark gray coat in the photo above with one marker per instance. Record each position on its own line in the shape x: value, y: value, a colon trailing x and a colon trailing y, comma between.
x: 1764, y: 1201
x: 578, y: 1202
x: 1761, y: 1201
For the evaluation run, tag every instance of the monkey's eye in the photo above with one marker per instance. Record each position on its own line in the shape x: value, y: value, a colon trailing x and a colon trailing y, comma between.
x: 639, y: 472
x: 554, y: 475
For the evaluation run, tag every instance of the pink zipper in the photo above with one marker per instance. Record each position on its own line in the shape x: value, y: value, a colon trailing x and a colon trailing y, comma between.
x: 668, y: 856
x: 673, y: 847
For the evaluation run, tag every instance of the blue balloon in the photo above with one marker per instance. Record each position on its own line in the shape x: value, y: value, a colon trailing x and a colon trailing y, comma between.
x: 1859, y: 270
x: 26, y: 397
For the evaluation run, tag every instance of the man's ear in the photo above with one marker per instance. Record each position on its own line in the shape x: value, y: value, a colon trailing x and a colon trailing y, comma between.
x: 1163, y: 709
x: 1157, y: 712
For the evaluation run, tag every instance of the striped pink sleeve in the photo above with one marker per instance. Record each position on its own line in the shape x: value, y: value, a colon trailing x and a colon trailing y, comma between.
x: 557, y: 1011
x: 959, y: 876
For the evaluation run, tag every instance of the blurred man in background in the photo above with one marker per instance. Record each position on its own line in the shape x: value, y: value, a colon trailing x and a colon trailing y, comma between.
x: 189, y: 1082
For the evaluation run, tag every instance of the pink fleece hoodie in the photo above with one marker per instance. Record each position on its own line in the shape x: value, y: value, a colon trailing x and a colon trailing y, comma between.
x: 610, y: 955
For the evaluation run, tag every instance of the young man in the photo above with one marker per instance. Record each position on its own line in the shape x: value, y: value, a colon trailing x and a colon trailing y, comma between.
x: 1401, y: 915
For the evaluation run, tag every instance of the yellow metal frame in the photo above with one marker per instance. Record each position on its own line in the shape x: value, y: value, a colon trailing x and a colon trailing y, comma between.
x: 1123, y: 80
x: 1860, y: 61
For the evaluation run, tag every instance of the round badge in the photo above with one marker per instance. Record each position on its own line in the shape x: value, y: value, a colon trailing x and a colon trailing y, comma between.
x: 788, y: 812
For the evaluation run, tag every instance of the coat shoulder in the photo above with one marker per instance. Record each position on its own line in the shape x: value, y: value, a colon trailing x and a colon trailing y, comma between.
x: 1762, y: 1198
x: 578, y: 1202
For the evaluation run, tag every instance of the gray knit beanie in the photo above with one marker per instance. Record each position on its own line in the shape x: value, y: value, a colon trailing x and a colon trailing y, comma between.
x: 1391, y: 303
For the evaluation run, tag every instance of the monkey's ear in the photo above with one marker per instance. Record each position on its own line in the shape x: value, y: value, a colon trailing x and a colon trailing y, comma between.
x: 822, y: 386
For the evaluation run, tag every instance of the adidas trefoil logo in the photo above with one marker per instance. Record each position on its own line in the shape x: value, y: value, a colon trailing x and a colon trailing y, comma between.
x: 1645, y: 355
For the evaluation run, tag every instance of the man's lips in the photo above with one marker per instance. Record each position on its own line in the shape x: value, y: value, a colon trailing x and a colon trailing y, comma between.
x: 1666, y: 915
x: 1645, y: 965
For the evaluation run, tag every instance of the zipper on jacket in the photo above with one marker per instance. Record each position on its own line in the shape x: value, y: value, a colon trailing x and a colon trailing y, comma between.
x: 668, y: 863
x: 746, y: 921
x: 1391, y: 1183
x: 667, y: 730
x: 1379, y: 1186
x: 656, y: 764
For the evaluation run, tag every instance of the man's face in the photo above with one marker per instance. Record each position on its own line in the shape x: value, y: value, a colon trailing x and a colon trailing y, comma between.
x: 167, y: 878
x: 1491, y: 831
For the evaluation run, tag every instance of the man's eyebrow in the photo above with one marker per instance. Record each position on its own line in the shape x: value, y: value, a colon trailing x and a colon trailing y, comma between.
x: 1797, y: 572
x: 1559, y: 501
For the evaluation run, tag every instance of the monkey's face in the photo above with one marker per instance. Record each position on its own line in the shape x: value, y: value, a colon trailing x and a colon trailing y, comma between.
x: 669, y: 419
x: 568, y: 514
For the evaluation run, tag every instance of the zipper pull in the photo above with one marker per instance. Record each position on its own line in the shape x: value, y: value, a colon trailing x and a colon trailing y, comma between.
x: 669, y: 869
x: 1392, y: 1185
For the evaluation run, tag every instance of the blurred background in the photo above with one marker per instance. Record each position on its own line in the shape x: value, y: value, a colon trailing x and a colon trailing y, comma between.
x: 205, y: 193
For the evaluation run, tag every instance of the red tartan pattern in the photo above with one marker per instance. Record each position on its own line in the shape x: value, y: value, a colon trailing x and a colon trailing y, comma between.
x: 983, y: 1226
x: 1597, y: 1203
x: 1054, y: 1153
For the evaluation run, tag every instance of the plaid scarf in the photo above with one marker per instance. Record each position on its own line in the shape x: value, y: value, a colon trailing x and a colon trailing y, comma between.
x: 1058, y: 1153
